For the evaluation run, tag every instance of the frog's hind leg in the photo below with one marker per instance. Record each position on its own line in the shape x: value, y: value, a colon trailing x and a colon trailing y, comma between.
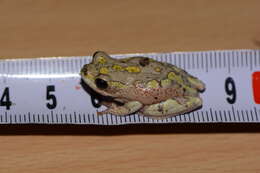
x: 172, y: 107
x: 125, y: 109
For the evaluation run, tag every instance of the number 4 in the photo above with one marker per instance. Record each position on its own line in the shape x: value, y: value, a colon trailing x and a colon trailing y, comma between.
x: 5, y: 99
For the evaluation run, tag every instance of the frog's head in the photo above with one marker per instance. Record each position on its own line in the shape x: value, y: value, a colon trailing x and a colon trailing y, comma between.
x: 96, y: 74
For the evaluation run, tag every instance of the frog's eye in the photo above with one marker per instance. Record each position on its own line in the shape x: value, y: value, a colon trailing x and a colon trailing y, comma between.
x: 101, y: 84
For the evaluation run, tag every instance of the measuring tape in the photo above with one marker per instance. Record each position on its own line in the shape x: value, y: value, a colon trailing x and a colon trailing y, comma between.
x: 48, y: 90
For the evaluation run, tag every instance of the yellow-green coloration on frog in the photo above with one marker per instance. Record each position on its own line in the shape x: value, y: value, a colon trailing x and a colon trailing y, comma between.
x: 117, y: 67
x: 116, y: 84
x: 166, y: 83
x: 132, y: 69
x: 101, y: 60
x: 157, y: 69
x: 142, y: 85
x: 152, y: 84
x: 103, y: 70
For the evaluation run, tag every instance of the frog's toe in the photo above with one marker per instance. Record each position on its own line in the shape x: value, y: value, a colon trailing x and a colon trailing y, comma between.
x: 196, y: 83
x: 172, y: 107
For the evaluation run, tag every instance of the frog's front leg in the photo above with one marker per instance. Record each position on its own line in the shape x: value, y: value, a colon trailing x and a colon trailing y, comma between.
x: 127, y: 108
x: 172, y: 107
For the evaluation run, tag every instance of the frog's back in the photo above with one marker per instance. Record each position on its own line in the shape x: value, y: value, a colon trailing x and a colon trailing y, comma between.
x: 145, y: 70
x: 141, y: 68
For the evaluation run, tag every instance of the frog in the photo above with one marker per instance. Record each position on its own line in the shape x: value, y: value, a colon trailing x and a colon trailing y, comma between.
x: 142, y: 85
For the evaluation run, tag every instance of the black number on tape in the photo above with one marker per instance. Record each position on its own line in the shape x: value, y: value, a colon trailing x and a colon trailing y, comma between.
x: 51, y: 96
x: 5, y: 99
x: 230, y: 88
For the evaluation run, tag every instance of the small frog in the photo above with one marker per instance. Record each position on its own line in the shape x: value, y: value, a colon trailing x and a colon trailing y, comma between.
x: 142, y: 85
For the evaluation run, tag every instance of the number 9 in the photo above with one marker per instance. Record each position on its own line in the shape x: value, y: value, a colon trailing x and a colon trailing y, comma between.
x: 230, y: 89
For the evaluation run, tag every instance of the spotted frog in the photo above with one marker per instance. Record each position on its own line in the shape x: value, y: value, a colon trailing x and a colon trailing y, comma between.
x: 142, y: 85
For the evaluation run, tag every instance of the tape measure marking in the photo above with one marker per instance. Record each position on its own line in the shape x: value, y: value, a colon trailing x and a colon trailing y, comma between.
x: 33, y: 84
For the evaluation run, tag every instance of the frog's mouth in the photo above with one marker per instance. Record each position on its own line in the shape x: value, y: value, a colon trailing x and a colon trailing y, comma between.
x: 98, y: 99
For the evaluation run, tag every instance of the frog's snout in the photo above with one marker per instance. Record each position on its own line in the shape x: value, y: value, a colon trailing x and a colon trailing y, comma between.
x: 84, y: 70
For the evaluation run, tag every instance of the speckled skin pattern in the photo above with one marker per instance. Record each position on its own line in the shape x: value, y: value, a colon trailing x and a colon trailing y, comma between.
x: 143, y: 85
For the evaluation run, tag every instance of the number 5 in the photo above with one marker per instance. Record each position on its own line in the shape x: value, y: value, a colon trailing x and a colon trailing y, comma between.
x: 50, y: 96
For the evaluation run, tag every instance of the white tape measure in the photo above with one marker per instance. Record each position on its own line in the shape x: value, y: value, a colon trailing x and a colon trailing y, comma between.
x: 48, y: 90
